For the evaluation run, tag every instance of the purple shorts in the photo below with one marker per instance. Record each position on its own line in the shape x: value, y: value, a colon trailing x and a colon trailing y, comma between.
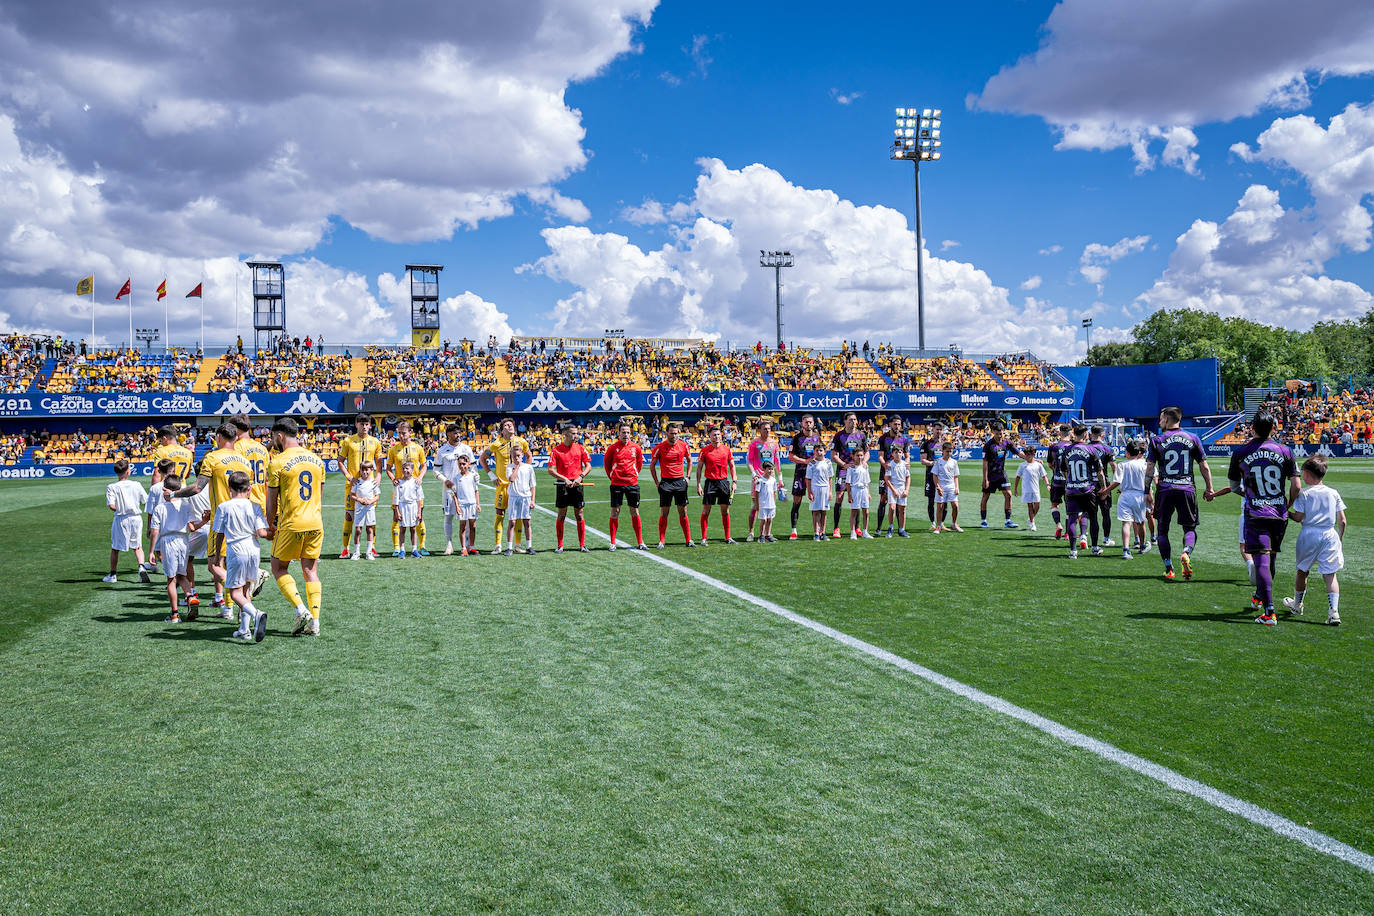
x: 1078, y: 504
x: 1264, y: 535
x: 1180, y: 504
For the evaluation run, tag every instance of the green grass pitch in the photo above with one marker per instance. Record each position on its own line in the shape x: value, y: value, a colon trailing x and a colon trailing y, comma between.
x: 598, y: 733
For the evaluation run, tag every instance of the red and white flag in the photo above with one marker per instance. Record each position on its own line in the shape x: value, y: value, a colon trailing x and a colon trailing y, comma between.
x: 126, y: 289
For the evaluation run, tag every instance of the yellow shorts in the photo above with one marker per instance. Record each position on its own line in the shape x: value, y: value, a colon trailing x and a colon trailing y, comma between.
x: 349, y: 504
x: 502, y: 496
x: 298, y: 545
x: 215, y: 547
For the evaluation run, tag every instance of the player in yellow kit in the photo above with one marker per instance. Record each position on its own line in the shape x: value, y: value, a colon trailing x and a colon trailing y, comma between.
x: 255, y: 453
x: 214, y: 473
x: 500, y: 451
x: 401, y: 451
x: 295, y: 483
x: 169, y: 449
x: 355, y: 451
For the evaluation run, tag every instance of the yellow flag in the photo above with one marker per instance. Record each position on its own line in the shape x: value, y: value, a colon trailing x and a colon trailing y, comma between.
x: 86, y: 286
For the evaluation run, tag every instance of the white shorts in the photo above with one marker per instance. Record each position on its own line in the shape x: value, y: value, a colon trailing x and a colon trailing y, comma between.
x: 1240, y: 527
x: 198, y: 543
x: 241, y: 566
x: 947, y: 497
x: 450, y: 505
x: 1131, y: 508
x: 518, y: 507
x: 365, y: 516
x: 1321, y: 549
x: 467, y: 512
x: 768, y: 513
x: 896, y: 500
x: 126, y: 532
x: 821, y: 502
x: 1029, y: 497
x: 409, y: 514
x: 175, y: 554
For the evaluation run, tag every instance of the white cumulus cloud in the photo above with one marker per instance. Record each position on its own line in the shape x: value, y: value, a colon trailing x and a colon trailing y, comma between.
x: 1092, y: 264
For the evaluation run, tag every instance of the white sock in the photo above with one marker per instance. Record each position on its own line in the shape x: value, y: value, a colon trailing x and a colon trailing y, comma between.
x: 1250, y: 570
x: 1298, y: 595
x: 1333, y: 601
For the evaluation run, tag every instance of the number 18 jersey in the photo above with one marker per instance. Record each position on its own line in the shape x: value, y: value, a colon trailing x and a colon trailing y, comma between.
x: 297, y: 474
x: 1263, y: 469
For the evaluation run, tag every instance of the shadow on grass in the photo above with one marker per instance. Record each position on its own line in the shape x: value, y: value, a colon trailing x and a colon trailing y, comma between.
x: 193, y: 633
x: 134, y: 616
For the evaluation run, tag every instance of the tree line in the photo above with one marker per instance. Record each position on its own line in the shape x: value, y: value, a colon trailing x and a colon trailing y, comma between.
x: 1251, y: 353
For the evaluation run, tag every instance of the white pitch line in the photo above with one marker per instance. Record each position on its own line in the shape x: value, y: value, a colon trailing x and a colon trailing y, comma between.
x: 1162, y: 774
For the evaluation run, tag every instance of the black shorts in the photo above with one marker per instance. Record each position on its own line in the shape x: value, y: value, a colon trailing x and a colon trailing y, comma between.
x: 930, y: 485
x: 799, y: 486
x: 1171, y: 503
x: 1057, y: 493
x: 566, y: 497
x: 672, y: 491
x: 716, y: 492
x: 996, y: 485
x: 624, y: 494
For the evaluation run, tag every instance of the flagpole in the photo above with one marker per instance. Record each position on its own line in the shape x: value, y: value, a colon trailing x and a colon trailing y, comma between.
x: 92, y: 348
x: 131, y: 316
x: 202, y: 308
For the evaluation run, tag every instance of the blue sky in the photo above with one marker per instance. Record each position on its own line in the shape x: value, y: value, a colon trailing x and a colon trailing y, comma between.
x: 766, y: 127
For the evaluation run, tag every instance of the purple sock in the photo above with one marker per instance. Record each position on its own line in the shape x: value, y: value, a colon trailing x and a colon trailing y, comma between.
x: 1189, y: 539
x: 1073, y: 530
x: 1264, y: 583
x: 1054, y: 514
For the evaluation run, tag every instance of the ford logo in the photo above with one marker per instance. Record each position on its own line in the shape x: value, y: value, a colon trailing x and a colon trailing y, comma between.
x: 1067, y: 402
x: 62, y: 471
x: 1010, y: 401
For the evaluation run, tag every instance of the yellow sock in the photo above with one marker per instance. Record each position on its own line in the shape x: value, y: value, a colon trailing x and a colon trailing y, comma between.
x: 395, y: 535
x: 348, y: 533
x: 312, y: 598
x: 500, y: 526
x: 288, y: 590
x: 420, y: 533
x: 519, y: 533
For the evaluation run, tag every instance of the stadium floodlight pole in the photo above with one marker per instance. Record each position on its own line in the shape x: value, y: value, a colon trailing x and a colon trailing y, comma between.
x: 917, y: 138
x: 147, y: 336
x: 777, y: 260
x: 1088, y: 330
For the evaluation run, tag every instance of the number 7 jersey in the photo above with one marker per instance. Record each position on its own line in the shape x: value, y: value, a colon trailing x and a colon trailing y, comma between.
x: 297, y: 474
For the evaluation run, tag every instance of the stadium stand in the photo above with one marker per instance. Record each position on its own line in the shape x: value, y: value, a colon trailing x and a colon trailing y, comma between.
x: 1310, y: 419
x: 1023, y: 372
x: 564, y: 369
x: 937, y: 374
x: 21, y: 357
x: 451, y: 369
x: 704, y: 368
x: 294, y: 370
x: 125, y: 370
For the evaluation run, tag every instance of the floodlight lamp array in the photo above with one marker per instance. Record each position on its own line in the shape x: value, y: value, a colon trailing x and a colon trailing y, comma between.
x: 917, y: 134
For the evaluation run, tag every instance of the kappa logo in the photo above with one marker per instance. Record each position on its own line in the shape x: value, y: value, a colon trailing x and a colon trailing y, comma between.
x: 610, y: 401
x: 309, y: 403
x: 546, y: 401
x: 237, y: 402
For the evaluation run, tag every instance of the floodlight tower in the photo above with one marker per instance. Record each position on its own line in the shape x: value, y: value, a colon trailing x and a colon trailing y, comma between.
x: 917, y: 138
x: 1088, y: 331
x: 777, y: 260
x: 424, y: 305
x: 269, y: 299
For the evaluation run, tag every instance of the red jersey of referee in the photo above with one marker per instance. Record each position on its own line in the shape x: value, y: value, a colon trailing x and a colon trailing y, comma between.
x: 568, y: 461
x: 671, y: 458
x: 625, y: 459
x: 716, y: 461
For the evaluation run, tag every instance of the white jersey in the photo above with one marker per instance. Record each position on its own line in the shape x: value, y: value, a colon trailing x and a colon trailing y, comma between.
x: 899, y: 475
x: 368, y: 489
x: 465, y: 488
x: 819, y: 472
x: 1131, y: 475
x: 1320, y: 506
x: 127, y: 496
x: 446, y: 460
x: 522, y: 481
x: 1032, y: 475
x: 170, y: 518
x: 408, y: 493
x: 200, y: 503
x: 947, y: 473
x: 767, y: 488
x: 238, y: 520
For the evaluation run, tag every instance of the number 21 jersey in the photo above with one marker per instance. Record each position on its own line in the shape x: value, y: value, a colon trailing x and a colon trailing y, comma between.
x: 1174, y: 453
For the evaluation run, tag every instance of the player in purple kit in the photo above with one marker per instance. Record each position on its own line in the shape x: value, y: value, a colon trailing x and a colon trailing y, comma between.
x: 805, y: 442
x: 1104, y: 503
x: 1081, y: 466
x: 1258, y: 471
x: 849, y: 447
x: 1170, y: 461
x: 930, y: 450
x: 995, y: 452
x: 1056, y: 451
x: 892, y: 439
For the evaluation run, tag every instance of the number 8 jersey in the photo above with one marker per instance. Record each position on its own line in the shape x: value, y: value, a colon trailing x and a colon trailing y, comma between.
x: 297, y: 474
